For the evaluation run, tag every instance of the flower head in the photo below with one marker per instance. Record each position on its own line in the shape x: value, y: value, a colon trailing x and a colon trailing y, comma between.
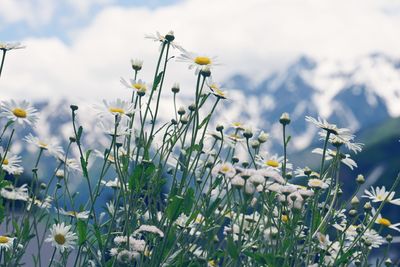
x: 10, y: 46
x: 137, y: 85
x: 379, y: 194
x: 168, y: 38
x: 11, y: 163
x: 116, y: 108
x: 197, y: 61
x: 48, y: 144
x: 216, y: 90
x: 15, y: 193
x: 62, y: 237
x: 20, y: 112
x: 75, y: 214
x: 6, y: 242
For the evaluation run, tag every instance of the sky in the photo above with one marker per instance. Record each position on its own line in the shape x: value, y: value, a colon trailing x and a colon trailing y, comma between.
x: 80, y: 49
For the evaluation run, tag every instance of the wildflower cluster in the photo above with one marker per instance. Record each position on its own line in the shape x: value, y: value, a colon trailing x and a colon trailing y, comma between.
x: 179, y: 193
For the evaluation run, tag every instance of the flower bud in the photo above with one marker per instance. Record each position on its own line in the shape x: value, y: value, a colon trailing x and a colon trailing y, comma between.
x: 43, y: 186
x: 262, y: 137
x: 205, y: 72
x: 136, y: 64
x: 185, y: 119
x: 174, y: 122
x: 192, y: 107
x: 175, y: 88
x: 389, y: 238
x: 248, y: 133
x: 245, y: 164
x: 58, y: 185
x: 220, y: 127
x: 170, y: 36
x: 254, y: 144
x: 353, y: 212
x: 72, y: 139
x: 355, y: 201
x: 367, y: 206
x: 181, y: 111
x: 235, y: 159
x: 360, y: 179
x: 74, y: 107
x: 60, y: 174
x: 284, y: 119
x: 388, y: 262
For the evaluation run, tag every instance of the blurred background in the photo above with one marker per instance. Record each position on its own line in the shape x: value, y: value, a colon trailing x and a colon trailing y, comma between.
x: 336, y: 59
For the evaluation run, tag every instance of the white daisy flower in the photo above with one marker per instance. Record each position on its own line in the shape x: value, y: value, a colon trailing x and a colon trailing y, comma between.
x: 379, y: 194
x: 317, y: 183
x: 70, y: 163
x: 62, y: 237
x: 20, y: 112
x: 150, y: 229
x: 342, y: 140
x: 372, y: 237
x: 10, y: 46
x: 118, y: 107
x: 272, y: 161
x: 75, y: 214
x: 48, y: 144
x: 113, y: 183
x: 385, y: 222
x: 331, y: 128
x: 225, y: 169
x: 199, y: 62
x: 43, y: 204
x: 108, y: 127
x: 169, y: 37
x: 216, y: 90
x: 6, y: 242
x: 330, y: 154
x: 15, y: 193
x: 137, y: 85
x: 11, y: 164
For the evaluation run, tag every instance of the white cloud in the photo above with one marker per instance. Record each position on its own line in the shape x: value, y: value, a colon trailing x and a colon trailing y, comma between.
x: 254, y: 37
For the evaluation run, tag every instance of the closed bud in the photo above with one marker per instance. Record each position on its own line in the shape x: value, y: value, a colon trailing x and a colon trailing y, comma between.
x: 220, y: 127
x: 389, y: 238
x: 254, y: 144
x: 388, y: 262
x: 74, y: 107
x: 262, y: 137
x: 72, y: 139
x: 136, y: 64
x: 175, y: 88
x: 60, y: 174
x: 170, y: 36
x: 248, y: 133
x: 360, y: 179
x: 192, y: 107
x: 367, y: 206
x: 185, y: 119
x: 245, y: 164
x: 307, y: 171
x: 58, y: 185
x: 174, y: 122
x: 43, y: 186
x: 235, y: 160
x: 353, y: 212
x: 181, y: 111
x: 205, y: 72
x: 355, y: 201
x: 284, y: 119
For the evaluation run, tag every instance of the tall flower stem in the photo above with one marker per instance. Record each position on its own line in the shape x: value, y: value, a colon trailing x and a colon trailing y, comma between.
x: 2, y: 61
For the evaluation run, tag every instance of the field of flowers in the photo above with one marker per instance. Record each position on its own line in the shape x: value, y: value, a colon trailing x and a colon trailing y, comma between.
x: 182, y: 196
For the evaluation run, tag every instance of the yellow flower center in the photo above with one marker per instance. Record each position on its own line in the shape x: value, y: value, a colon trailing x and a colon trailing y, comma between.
x: 5, y: 162
x: 72, y: 213
x: 202, y: 60
x: 380, y: 197
x: 4, y: 239
x: 285, y: 218
x: 219, y: 92
x: 42, y: 145
x: 137, y: 86
x: 384, y: 222
x: 19, y: 112
x: 117, y: 110
x: 60, y: 239
x: 212, y: 263
x: 272, y: 163
x: 225, y: 168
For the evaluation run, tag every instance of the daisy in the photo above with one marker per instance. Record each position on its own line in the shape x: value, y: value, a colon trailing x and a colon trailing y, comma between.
x: 380, y: 194
x: 225, y: 169
x: 48, y: 144
x: 108, y: 128
x: 168, y: 38
x: 216, y: 90
x: 11, y: 164
x: 199, y: 62
x: 75, y: 214
x: 331, y: 128
x: 69, y: 163
x: 317, y: 183
x: 338, y: 140
x: 21, y: 112
x: 385, y: 222
x: 150, y: 229
x: 43, y: 204
x: 15, y: 193
x: 118, y: 107
x: 272, y: 162
x: 137, y: 85
x: 113, y: 183
x: 6, y: 242
x: 61, y: 237
x: 372, y: 237
x: 330, y: 154
x: 10, y: 46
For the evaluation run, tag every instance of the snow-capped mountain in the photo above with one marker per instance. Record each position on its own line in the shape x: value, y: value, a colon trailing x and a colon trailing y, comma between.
x: 354, y: 94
